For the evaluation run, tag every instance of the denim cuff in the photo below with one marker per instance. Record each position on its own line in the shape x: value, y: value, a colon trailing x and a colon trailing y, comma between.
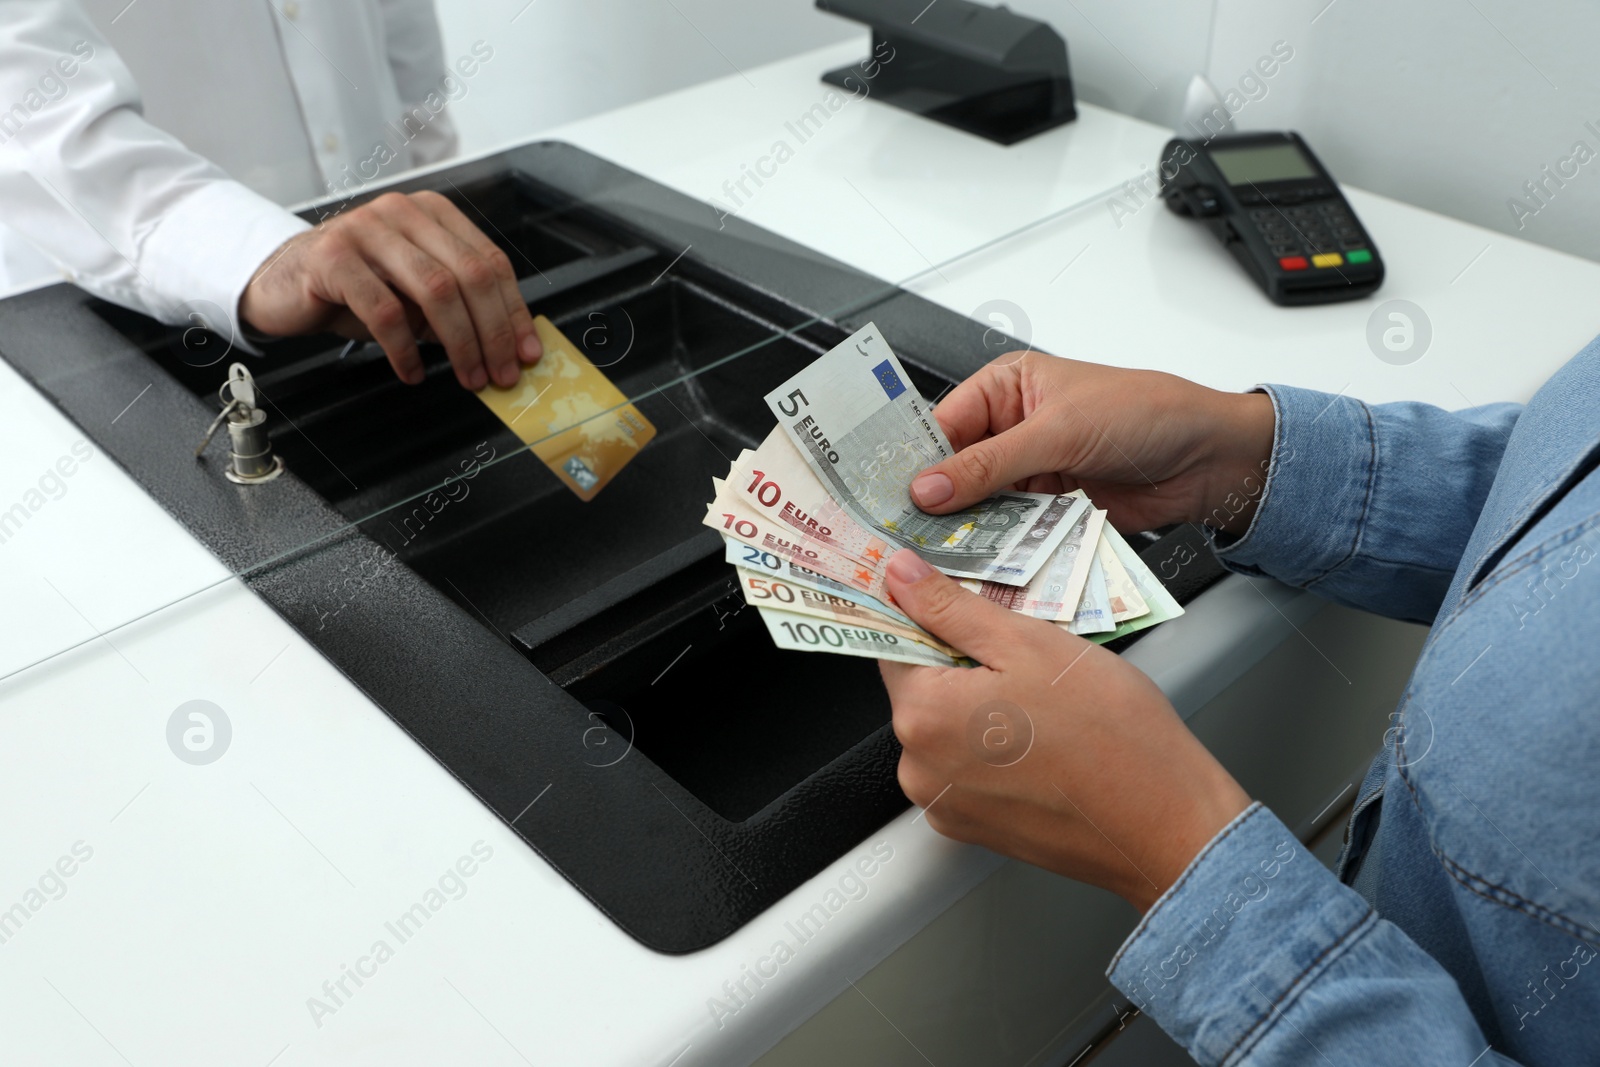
x: 1252, y: 922
x: 1319, y: 484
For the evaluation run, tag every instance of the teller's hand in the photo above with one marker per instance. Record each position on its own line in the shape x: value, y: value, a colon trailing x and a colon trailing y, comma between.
x: 1112, y: 788
x: 390, y: 268
x: 1150, y: 448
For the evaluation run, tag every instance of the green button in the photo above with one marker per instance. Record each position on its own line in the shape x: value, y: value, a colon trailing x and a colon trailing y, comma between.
x: 1358, y: 256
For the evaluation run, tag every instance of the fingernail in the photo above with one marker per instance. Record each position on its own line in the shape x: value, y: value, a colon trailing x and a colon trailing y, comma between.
x: 531, y: 349
x: 931, y: 490
x: 477, y: 379
x: 508, y: 376
x: 906, y: 566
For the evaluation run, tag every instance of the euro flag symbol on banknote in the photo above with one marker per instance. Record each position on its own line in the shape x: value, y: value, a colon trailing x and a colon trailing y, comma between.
x: 892, y: 385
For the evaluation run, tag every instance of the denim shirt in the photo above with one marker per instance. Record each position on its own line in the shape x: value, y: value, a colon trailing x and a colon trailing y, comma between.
x: 1463, y: 925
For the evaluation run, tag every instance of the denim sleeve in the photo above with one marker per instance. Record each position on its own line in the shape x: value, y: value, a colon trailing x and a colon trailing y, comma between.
x: 1258, y: 955
x: 1370, y: 505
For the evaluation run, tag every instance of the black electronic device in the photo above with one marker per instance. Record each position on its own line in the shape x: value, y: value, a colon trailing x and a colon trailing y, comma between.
x: 985, y: 70
x: 1278, y: 210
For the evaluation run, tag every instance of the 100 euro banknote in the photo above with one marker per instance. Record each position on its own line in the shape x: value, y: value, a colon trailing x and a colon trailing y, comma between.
x: 762, y: 591
x: 803, y: 634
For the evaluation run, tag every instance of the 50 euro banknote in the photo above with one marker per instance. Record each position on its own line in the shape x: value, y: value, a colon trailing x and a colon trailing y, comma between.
x: 763, y: 591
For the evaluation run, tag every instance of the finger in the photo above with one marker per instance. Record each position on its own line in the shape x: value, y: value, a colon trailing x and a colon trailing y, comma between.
x: 382, y: 313
x: 982, y: 629
x: 920, y: 787
x: 981, y: 469
x: 986, y: 403
x: 475, y: 278
x: 432, y: 287
x: 446, y: 214
x: 897, y: 675
x: 1049, y: 482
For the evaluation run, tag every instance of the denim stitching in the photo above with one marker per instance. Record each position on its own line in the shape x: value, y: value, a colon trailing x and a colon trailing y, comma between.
x: 1370, y: 474
x: 1409, y: 564
x: 1505, y: 570
x: 1245, y: 816
x: 1511, y: 568
x: 1515, y: 901
x: 1531, y: 502
x: 1370, y: 918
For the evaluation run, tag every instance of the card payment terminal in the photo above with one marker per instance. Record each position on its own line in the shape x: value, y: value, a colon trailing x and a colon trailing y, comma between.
x: 1278, y: 210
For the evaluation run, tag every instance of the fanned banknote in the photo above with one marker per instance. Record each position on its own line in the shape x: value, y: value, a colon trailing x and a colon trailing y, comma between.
x: 736, y: 521
x: 1161, y: 603
x: 1093, y: 613
x: 776, y: 482
x: 1126, y: 600
x: 810, y: 517
x: 804, y: 634
x: 754, y: 559
x: 865, y: 431
x: 1054, y: 592
x: 761, y: 591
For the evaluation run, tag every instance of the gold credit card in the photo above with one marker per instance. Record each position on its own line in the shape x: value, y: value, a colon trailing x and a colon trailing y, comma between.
x: 571, y: 415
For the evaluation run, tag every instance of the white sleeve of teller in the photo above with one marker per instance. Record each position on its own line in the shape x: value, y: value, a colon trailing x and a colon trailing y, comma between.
x: 416, y: 56
x: 123, y: 208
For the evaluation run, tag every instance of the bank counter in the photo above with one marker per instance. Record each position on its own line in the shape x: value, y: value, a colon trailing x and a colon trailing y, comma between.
x: 502, y: 776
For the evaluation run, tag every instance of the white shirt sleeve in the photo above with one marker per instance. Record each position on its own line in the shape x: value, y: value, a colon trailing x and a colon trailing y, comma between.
x: 123, y: 208
x: 416, y: 56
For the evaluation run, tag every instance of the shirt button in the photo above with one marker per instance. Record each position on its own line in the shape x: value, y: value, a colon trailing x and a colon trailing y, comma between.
x: 330, y: 142
x: 291, y: 10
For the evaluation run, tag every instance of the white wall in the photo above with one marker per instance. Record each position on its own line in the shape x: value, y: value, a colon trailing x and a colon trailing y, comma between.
x: 1450, y: 104
x: 563, y: 59
x: 1136, y: 58
x: 560, y: 60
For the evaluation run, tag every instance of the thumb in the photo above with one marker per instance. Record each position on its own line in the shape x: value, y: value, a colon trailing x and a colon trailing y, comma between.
x: 979, y: 627
x: 977, y: 471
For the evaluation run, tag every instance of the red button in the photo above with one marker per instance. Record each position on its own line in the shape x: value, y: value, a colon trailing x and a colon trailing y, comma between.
x: 1293, y: 263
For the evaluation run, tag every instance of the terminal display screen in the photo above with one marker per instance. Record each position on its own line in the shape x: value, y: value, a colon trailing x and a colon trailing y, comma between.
x: 1266, y: 163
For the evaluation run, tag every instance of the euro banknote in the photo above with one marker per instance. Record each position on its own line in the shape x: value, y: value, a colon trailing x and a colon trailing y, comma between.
x: 859, y: 423
x: 803, y: 634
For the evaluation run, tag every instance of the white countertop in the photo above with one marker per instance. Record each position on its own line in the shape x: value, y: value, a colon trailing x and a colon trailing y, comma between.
x: 218, y: 899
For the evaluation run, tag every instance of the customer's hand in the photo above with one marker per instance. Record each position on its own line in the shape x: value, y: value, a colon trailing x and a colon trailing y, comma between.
x: 1055, y: 751
x: 395, y: 268
x: 1150, y: 448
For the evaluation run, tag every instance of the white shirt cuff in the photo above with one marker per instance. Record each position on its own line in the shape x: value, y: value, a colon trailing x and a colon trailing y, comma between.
x: 204, y: 252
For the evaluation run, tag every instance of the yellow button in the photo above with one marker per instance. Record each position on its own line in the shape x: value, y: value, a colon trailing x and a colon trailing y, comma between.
x: 1327, y: 259
x: 331, y: 144
x: 291, y: 10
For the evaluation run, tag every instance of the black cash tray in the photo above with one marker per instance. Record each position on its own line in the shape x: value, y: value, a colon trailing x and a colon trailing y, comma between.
x: 585, y: 669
